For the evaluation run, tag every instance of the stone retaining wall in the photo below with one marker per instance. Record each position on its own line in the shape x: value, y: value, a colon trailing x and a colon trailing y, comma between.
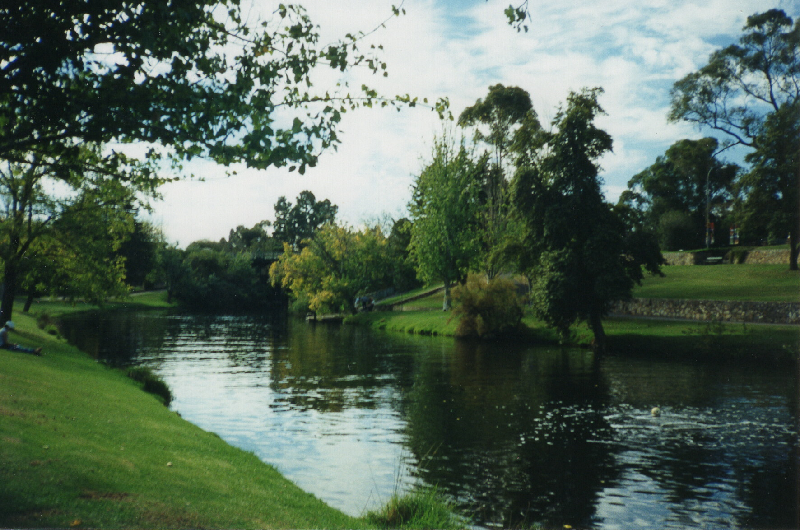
x: 762, y: 312
x: 679, y: 258
x: 767, y: 256
x: 774, y: 257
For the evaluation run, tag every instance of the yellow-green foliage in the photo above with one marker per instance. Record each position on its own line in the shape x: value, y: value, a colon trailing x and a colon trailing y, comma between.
x: 486, y: 308
x: 333, y: 268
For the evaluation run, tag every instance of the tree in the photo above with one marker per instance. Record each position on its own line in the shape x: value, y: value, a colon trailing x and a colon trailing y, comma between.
x: 208, y: 84
x: 771, y: 186
x: 91, y: 209
x: 404, y: 275
x: 444, y: 208
x: 253, y: 240
x: 747, y: 91
x: 299, y: 222
x: 507, y: 113
x: 170, y: 270
x: 215, y: 279
x: 579, y: 246
x: 333, y: 267
x: 686, y: 182
x: 503, y: 111
x: 140, y: 250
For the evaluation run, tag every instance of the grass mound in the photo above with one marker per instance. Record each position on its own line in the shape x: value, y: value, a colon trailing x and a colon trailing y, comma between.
x: 151, y: 382
x: 422, y: 508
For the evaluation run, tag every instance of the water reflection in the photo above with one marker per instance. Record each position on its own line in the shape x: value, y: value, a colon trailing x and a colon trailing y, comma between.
x: 515, y: 434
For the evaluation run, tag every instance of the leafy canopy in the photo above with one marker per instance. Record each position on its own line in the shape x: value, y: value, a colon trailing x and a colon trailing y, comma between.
x: 682, y: 184
x: 444, y: 209
x: 334, y: 266
x: 194, y: 75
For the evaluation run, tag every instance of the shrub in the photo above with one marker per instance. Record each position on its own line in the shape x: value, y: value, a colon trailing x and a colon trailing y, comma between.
x: 44, y: 319
x: 677, y: 230
x: 151, y: 382
x: 487, y: 308
x: 423, y: 508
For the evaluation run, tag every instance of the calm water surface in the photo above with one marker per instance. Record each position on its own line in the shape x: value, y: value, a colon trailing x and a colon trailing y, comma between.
x: 514, y: 434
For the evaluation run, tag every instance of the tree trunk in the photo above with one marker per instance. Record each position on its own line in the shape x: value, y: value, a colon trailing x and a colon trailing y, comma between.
x: 446, y: 301
x: 29, y: 300
x: 596, y: 323
x: 794, y: 248
x: 9, y: 290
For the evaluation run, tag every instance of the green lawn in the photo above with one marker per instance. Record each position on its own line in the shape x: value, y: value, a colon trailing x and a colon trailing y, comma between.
x: 402, y: 296
x: 764, y: 283
x: 82, y: 445
x: 419, y: 322
x: 699, y: 339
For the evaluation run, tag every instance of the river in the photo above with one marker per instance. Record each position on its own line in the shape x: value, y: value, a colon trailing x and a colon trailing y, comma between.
x: 513, y: 434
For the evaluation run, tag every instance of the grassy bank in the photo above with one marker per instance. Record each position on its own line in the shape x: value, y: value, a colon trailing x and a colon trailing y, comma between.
x: 769, y: 283
x: 418, y: 322
x: 83, y: 445
x: 760, y: 283
x: 625, y: 335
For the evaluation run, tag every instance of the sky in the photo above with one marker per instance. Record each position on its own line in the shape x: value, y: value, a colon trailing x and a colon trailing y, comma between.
x: 634, y: 50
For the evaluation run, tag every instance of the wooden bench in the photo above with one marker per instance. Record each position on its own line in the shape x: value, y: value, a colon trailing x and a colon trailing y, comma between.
x: 711, y: 260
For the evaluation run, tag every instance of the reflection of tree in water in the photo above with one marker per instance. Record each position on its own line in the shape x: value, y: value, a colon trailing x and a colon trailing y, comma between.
x: 494, y: 440
x: 333, y: 368
x: 116, y: 337
x: 245, y: 340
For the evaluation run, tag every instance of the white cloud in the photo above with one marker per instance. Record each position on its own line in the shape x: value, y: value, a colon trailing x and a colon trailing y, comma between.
x: 634, y: 50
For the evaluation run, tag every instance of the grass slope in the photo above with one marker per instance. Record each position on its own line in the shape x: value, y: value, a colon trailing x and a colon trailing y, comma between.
x: 82, y: 445
x: 762, y: 283
x: 418, y: 322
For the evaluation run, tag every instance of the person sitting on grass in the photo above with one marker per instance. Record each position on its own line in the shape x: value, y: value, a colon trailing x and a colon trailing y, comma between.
x: 4, y: 342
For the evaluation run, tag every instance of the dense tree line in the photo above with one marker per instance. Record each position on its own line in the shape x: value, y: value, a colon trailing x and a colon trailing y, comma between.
x: 531, y: 204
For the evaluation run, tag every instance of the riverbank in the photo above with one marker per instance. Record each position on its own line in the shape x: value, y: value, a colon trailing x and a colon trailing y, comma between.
x: 625, y: 335
x: 84, y: 446
x: 81, y: 445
